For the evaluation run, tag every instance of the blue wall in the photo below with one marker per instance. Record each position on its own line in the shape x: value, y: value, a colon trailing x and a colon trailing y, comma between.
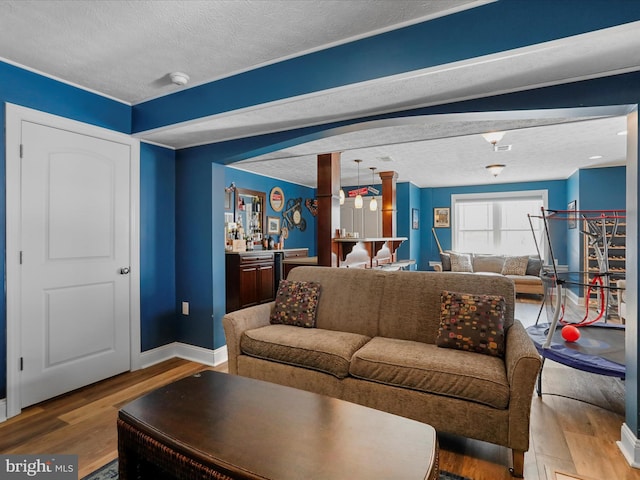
x: 158, y: 246
x: 194, y: 244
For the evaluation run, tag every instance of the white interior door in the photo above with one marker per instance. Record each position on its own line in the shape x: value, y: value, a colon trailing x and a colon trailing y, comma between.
x: 75, y: 259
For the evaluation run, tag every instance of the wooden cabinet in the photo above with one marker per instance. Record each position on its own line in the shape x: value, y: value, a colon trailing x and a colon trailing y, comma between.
x: 250, y: 279
x: 289, y: 259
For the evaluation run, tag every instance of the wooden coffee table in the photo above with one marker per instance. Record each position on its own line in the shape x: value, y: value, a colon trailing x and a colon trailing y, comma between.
x: 221, y: 426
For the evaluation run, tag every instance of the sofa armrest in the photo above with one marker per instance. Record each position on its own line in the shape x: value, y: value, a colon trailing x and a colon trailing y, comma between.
x: 523, y: 364
x: 235, y: 323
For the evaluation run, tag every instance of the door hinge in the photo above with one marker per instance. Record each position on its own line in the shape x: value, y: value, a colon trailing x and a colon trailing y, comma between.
x: 21, y: 363
x: 21, y: 150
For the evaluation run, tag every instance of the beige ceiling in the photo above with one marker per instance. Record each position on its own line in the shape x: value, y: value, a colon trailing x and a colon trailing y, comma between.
x: 126, y: 49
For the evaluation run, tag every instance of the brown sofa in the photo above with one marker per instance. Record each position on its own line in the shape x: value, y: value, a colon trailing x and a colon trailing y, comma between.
x: 528, y: 281
x: 374, y: 344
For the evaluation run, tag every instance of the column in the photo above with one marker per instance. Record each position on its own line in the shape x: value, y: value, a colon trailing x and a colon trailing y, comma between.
x: 328, y: 219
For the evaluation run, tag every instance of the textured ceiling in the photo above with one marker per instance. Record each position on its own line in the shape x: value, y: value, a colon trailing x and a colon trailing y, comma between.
x: 126, y: 49
x: 456, y: 153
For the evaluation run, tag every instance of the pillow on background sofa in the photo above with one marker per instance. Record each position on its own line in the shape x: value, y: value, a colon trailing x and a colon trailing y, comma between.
x: 473, y: 323
x: 534, y: 265
x: 445, y: 260
x: 296, y: 303
x: 515, y: 265
x: 461, y: 262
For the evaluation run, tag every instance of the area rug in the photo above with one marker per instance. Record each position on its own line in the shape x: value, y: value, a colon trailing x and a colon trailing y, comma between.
x: 110, y: 472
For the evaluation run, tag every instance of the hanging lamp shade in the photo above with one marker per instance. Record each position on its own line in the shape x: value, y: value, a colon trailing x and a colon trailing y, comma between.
x: 341, y: 195
x: 358, y: 201
x: 373, y: 204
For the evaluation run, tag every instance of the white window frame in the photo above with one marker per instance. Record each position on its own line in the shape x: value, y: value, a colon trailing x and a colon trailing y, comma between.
x: 467, y: 197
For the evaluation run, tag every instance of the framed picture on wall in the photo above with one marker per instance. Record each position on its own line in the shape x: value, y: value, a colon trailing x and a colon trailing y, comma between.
x: 572, y: 221
x: 273, y: 225
x: 415, y: 218
x: 441, y: 217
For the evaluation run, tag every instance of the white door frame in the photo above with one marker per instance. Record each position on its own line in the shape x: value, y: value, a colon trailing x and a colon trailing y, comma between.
x: 15, y: 115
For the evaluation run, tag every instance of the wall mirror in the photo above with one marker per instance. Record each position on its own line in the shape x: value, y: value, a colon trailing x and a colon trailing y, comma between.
x: 250, y: 213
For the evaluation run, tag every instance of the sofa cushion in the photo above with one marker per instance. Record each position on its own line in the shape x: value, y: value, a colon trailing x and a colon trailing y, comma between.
x: 488, y: 263
x: 426, y: 368
x: 445, y: 260
x: 342, y: 306
x: 534, y: 265
x: 296, y: 303
x: 525, y: 279
x: 515, y: 265
x: 474, y: 323
x: 324, y: 350
x: 461, y: 262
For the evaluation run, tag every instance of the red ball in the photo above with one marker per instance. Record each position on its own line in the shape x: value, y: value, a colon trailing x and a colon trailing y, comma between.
x: 570, y: 333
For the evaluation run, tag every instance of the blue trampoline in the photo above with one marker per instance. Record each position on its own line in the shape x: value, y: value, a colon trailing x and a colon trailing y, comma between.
x: 600, y: 348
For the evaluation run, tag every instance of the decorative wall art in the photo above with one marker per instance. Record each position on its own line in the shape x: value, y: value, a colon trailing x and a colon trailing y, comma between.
x: 273, y: 225
x: 441, y: 217
x: 415, y: 218
x: 572, y: 221
x: 292, y: 215
x: 276, y: 199
x: 312, y: 205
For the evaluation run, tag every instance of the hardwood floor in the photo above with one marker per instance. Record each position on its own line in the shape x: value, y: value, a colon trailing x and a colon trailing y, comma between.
x: 567, y: 435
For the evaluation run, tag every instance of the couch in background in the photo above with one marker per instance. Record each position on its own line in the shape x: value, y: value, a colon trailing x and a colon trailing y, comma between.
x: 398, y: 342
x: 523, y: 270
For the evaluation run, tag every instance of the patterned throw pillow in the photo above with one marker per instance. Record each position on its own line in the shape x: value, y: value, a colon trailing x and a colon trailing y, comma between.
x: 515, y: 265
x: 474, y: 323
x: 461, y: 262
x: 296, y: 303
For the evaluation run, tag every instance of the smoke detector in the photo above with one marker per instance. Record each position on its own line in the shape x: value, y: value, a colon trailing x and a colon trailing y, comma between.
x: 179, y: 78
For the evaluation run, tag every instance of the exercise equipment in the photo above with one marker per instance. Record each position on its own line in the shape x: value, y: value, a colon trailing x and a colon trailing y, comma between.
x: 598, y: 346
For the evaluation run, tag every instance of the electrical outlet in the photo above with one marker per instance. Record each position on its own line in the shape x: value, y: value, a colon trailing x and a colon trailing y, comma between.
x: 185, y: 308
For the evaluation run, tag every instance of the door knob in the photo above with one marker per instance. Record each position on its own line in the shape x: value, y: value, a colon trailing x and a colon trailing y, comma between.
x: 124, y: 271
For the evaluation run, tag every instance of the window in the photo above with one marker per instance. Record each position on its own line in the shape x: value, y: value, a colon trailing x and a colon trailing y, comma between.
x: 498, y: 223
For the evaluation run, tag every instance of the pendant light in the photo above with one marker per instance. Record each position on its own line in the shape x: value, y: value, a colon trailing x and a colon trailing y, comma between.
x: 341, y: 192
x: 373, y: 204
x: 358, y: 202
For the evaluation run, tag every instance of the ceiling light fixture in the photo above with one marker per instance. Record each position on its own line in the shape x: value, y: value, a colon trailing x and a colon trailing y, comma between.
x: 495, y: 169
x: 373, y: 204
x: 341, y: 192
x: 493, y: 138
x: 179, y: 78
x: 595, y: 157
x: 358, y: 201
x: 622, y: 133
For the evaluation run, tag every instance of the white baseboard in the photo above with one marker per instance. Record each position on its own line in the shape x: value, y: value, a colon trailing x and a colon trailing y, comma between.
x: 574, y: 298
x: 3, y: 409
x: 630, y: 446
x: 182, y: 350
